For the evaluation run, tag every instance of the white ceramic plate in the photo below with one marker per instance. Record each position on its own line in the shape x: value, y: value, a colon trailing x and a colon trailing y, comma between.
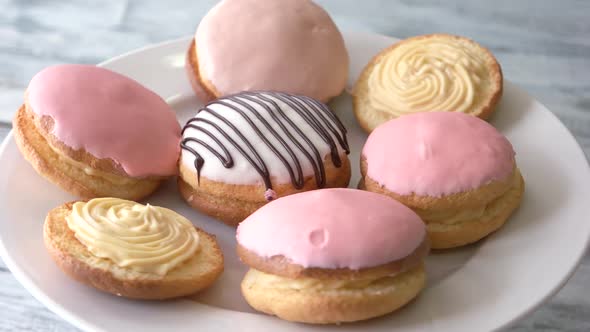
x: 483, y: 287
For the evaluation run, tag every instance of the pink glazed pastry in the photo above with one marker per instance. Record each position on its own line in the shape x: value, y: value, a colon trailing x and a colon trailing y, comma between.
x: 455, y: 170
x: 290, y: 46
x: 96, y: 133
x: 332, y: 255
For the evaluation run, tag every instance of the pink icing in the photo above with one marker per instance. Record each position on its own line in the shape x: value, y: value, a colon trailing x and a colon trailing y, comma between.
x: 109, y: 116
x: 437, y: 153
x: 333, y: 228
x: 288, y: 45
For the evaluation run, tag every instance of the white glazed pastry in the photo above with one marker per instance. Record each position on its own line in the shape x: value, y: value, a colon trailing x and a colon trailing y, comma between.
x: 240, y: 151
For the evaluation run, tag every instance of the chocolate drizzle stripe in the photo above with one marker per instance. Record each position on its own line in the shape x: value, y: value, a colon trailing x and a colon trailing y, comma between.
x: 326, y: 111
x: 340, y: 132
x: 273, y: 114
x: 278, y: 124
x: 226, y: 160
x: 260, y: 168
x: 296, y: 178
x: 313, y: 121
x: 318, y: 170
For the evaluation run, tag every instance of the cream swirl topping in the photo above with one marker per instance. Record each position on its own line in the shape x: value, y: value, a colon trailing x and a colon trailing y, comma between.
x: 429, y: 74
x: 143, y: 238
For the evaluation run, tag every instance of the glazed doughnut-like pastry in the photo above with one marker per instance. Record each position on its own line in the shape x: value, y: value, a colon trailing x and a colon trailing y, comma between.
x: 96, y: 133
x: 132, y: 250
x: 332, y: 255
x: 456, y: 171
x: 437, y: 72
x: 288, y: 45
x: 241, y: 151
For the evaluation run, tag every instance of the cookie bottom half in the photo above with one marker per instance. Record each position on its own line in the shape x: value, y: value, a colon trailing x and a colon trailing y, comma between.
x: 330, y: 301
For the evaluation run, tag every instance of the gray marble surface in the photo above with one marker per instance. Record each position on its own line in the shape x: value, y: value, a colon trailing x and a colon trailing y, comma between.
x: 543, y: 46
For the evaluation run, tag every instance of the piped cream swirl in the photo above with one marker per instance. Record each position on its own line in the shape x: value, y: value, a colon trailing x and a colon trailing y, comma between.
x: 429, y: 74
x: 143, y: 238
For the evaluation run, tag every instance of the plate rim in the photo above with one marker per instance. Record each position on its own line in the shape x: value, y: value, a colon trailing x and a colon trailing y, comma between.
x: 83, y: 324
x: 28, y: 283
x: 578, y: 261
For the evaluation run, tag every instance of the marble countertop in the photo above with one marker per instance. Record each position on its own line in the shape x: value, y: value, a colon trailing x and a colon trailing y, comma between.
x: 543, y: 46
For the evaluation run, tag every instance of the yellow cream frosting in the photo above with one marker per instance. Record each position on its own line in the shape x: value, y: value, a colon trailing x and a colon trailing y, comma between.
x: 143, y: 238
x: 481, y: 213
x: 112, y: 178
x: 323, y: 285
x: 430, y: 74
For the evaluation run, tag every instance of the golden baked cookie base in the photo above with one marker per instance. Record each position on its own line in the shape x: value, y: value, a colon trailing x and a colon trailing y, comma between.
x: 462, y: 200
x: 369, y: 118
x: 71, y: 175
x: 231, y: 203
x: 463, y: 218
x: 204, y: 89
x: 75, y: 260
x: 330, y: 302
x: 471, y: 229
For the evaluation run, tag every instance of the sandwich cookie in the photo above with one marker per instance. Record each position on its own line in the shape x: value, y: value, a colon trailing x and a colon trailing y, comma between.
x: 288, y: 45
x: 456, y: 171
x: 96, y: 133
x: 332, y: 255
